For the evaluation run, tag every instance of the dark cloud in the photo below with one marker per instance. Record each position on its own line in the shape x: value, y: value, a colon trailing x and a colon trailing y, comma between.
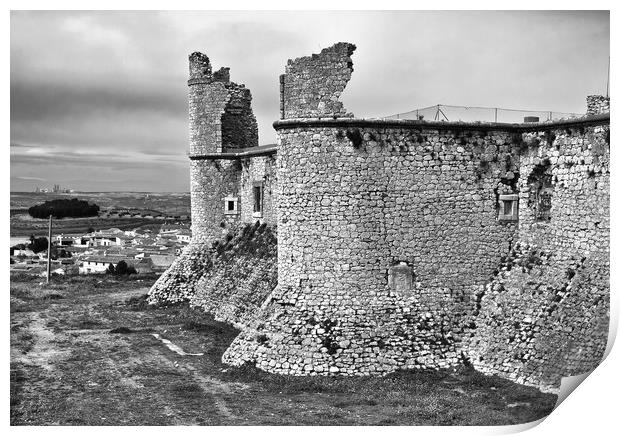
x: 46, y: 100
x: 67, y: 158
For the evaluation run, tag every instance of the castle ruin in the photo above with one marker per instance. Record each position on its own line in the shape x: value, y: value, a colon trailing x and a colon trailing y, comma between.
x: 359, y: 247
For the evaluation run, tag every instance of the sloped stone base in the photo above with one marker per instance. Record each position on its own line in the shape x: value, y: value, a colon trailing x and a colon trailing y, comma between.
x: 178, y: 283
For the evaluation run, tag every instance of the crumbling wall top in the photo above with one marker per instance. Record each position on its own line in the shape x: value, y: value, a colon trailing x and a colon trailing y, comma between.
x: 311, y: 85
x: 222, y: 75
x: 199, y: 66
x: 597, y: 104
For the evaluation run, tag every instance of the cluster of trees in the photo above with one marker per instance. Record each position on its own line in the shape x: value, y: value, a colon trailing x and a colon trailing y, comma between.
x: 121, y: 269
x: 37, y: 245
x: 61, y: 208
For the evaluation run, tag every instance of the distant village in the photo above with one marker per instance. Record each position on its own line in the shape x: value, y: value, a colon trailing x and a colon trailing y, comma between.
x: 142, y: 250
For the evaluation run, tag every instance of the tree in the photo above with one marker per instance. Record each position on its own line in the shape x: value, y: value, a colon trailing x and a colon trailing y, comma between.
x: 111, y: 269
x: 38, y: 244
x: 90, y: 230
x: 60, y: 253
x: 121, y: 268
x: 61, y: 208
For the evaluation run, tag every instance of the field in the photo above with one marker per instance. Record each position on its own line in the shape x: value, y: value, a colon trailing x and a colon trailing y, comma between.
x: 24, y: 225
x: 83, y: 353
x: 165, y: 203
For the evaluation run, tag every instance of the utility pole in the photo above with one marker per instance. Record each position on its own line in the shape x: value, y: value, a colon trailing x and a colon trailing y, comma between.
x: 49, y: 249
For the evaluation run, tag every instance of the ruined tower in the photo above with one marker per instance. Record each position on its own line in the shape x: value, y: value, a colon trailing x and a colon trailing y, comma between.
x: 220, y: 121
x: 232, y: 183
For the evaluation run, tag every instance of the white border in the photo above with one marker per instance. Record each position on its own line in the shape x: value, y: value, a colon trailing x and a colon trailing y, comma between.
x: 591, y: 410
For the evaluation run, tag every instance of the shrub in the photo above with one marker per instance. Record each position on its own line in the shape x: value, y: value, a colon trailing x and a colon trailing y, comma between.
x: 355, y: 137
x: 123, y: 269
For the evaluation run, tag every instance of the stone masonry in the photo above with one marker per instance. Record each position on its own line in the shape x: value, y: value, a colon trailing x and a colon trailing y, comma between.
x: 311, y: 85
x: 400, y: 244
x: 597, y: 104
x: 220, y: 122
x: 545, y: 314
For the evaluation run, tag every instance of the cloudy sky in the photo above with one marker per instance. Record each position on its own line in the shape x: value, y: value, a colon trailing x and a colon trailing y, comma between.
x: 98, y: 99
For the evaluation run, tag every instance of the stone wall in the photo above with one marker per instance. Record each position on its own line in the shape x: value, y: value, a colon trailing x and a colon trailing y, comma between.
x: 229, y: 278
x: 244, y: 272
x: 258, y: 170
x: 597, y: 104
x: 546, y: 314
x: 178, y: 283
x: 312, y: 85
x: 211, y: 181
x: 239, y: 128
x: 391, y: 254
x: 383, y: 233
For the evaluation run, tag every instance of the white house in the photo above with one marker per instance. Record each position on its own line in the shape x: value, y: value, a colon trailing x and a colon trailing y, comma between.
x: 25, y: 252
x: 100, y: 264
x: 64, y: 240
x: 184, y: 235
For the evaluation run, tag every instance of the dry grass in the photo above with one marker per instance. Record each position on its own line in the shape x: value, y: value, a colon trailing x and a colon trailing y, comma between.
x: 87, y: 357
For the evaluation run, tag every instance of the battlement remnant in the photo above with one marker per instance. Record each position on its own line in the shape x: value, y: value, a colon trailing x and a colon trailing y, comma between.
x: 311, y: 85
x: 199, y: 66
x: 220, y: 111
x: 597, y: 104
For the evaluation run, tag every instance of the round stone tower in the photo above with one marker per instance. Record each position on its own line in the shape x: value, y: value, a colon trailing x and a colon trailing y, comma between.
x: 220, y: 121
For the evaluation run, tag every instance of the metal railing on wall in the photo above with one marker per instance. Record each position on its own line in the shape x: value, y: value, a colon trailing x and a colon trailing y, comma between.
x: 444, y: 112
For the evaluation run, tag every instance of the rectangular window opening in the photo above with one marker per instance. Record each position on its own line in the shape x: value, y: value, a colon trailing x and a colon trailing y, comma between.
x: 231, y: 206
x: 508, y: 207
x: 258, y: 198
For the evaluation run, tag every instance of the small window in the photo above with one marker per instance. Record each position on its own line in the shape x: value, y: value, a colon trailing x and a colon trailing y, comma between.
x: 231, y: 206
x: 509, y: 207
x: 257, y: 191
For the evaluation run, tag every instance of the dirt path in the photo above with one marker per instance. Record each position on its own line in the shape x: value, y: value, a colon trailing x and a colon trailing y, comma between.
x: 58, y: 330
x: 86, y: 354
x: 44, y: 352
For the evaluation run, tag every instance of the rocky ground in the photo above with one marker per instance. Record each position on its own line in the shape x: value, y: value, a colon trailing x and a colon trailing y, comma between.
x: 90, y: 351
